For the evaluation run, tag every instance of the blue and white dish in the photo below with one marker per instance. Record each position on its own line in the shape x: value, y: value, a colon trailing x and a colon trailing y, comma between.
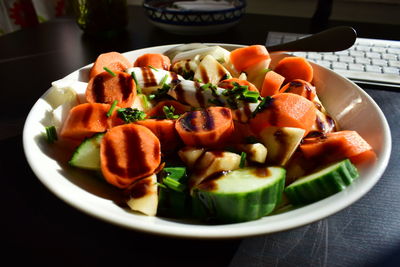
x: 194, y: 17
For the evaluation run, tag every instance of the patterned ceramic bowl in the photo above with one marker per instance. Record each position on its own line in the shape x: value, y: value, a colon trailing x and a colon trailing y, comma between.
x: 194, y: 17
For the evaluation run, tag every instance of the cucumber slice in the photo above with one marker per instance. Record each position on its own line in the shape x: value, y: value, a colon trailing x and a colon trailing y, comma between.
x: 240, y: 195
x: 87, y: 154
x: 323, y: 183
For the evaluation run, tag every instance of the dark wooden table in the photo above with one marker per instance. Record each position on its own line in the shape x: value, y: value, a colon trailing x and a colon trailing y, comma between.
x: 39, y: 228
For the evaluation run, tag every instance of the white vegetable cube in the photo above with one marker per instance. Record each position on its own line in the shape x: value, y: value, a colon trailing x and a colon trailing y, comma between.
x: 64, y: 90
x: 211, y: 71
x: 189, y: 155
x: 281, y: 143
x: 144, y: 196
x: 255, y: 152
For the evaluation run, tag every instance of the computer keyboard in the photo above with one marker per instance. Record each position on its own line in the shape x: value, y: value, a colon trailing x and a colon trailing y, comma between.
x: 373, y: 61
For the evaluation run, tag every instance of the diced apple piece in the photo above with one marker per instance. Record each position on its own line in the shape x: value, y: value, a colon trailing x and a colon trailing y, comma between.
x: 143, y: 196
x: 217, y: 52
x: 66, y: 91
x: 211, y: 71
x: 171, y: 53
x: 281, y: 143
x: 189, y: 155
x: 256, y: 72
x: 255, y: 152
x: 212, y: 162
x: 186, y: 67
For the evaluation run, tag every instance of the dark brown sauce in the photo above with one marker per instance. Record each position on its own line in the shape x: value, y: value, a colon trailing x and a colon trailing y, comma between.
x: 126, y: 84
x: 226, y: 113
x: 247, y: 110
x: 331, y: 122
x: 209, y: 184
x: 148, y: 77
x: 318, y: 106
x: 141, y: 188
x: 309, y: 91
x: 180, y: 94
x: 221, y: 73
x: 186, y: 121
x: 208, y: 120
x: 261, y: 172
x: 320, y: 124
x: 133, y: 143
x: 217, y: 153
x: 199, y: 94
x: 204, y: 75
x: 281, y: 137
x: 174, y: 77
x: 187, y: 65
x: 98, y: 89
x: 112, y: 162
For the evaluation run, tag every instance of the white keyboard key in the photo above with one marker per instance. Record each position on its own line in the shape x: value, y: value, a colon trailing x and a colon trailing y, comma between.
x: 339, y: 65
x: 342, y: 53
x: 356, y: 67
x: 394, y: 63
x: 346, y: 59
x: 363, y: 60
x: 379, y: 49
x: 373, y: 55
x: 391, y: 70
x: 314, y: 56
x: 394, y: 51
x: 389, y: 56
x: 371, y: 68
x: 330, y: 57
x: 379, y: 62
x: 300, y: 54
x: 355, y: 53
x: 363, y: 48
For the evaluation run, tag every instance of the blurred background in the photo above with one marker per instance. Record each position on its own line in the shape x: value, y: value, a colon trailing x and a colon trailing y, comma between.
x: 17, y: 14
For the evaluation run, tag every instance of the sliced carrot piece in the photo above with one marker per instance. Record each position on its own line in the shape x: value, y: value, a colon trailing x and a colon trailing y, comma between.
x: 127, y: 153
x: 87, y: 119
x: 165, y: 131
x: 300, y: 87
x: 271, y: 84
x: 295, y: 68
x: 211, y: 127
x: 336, y: 146
x: 285, y: 110
x: 157, y: 110
x: 111, y: 60
x: 158, y: 61
x: 229, y: 84
x: 245, y: 57
x: 106, y: 88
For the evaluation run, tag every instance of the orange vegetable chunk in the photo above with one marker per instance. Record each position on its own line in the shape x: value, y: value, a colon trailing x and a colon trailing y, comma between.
x: 300, y: 87
x: 87, y: 119
x: 245, y: 57
x: 211, y: 127
x: 271, y: 84
x: 285, y: 110
x: 127, y: 153
x: 111, y: 60
x: 228, y: 84
x: 158, y: 61
x: 295, y: 68
x: 157, y: 110
x: 105, y: 88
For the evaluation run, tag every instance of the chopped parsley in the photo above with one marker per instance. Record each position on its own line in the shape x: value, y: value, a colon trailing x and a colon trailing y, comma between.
x: 110, y: 111
x: 169, y: 112
x: 138, y: 88
x: 265, y: 102
x: 243, y: 157
x: 51, y: 134
x: 110, y: 71
x: 160, y: 93
x: 129, y: 115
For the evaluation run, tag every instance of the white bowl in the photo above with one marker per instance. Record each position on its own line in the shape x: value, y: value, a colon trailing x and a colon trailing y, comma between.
x: 346, y: 102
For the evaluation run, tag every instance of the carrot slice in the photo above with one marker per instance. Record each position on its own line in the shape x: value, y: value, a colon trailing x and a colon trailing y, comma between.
x: 285, y: 110
x: 245, y: 57
x: 211, y: 127
x: 336, y: 146
x: 127, y: 153
x: 111, y: 60
x: 158, y: 61
x: 87, y: 119
x: 157, y: 110
x: 295, y: 68
x: 271, y: 84
x: 300, y: 87
x: 165, y: 131
x: 228, y: 84
x: 106, y: 88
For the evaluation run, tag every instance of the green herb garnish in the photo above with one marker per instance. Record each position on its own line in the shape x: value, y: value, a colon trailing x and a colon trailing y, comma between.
x: 51, y: 134
x: 110, y: 111
x: 138, y: 89
x: 129, y: 115
x: 160, y: 93
x: 265, y: 102
x: 169, y: 112
x: 151, y: 67
x: 243, y: 157
x: 164, y: 79
x: 110, y: 71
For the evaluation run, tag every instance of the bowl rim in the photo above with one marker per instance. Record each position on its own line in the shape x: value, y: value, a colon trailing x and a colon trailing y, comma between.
x: 147, y: 5
x: 225, y: 231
